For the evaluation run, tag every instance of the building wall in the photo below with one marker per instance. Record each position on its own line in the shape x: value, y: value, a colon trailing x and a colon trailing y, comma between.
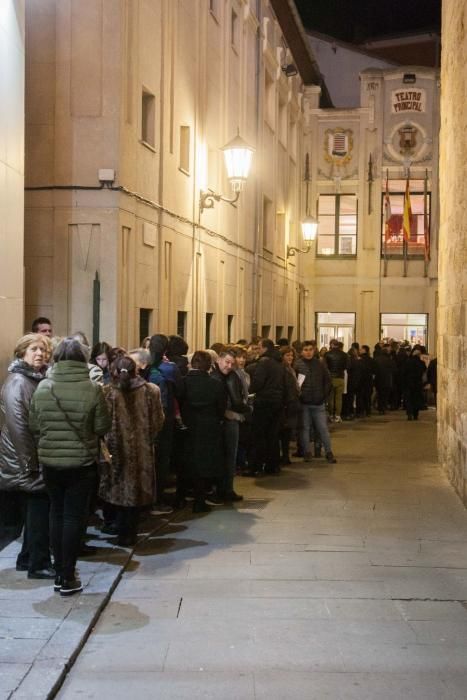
x: 365, y: 284
x: 11, y: 175
x: 452, y: 360
x: 208, y: 73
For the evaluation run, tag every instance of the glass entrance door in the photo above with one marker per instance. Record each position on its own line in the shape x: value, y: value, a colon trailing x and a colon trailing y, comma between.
x: 340, y: 326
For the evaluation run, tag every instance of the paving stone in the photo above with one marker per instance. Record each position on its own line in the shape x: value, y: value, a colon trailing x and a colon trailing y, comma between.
x: 349, y: 686
x: 30, y: 628
x: 198, y: 685
x: 11, y: 675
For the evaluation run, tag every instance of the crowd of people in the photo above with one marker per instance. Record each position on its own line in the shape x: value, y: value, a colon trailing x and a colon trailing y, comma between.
x: 150, y: 428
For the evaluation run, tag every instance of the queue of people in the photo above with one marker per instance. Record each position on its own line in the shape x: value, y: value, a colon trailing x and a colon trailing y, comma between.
x: 150, y: 428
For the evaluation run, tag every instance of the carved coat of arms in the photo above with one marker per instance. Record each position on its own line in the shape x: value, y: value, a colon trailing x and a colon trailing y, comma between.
x: 338, y: 146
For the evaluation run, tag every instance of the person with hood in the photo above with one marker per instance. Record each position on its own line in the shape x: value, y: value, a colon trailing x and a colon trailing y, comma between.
x: 268, y: 384
x: 128, y: 481
x: 19, y: 465
x: 167, y: 377
x: 68, y: 414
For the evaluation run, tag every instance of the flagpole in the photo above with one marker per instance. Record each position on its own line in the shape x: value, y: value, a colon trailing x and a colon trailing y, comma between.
x: 426, y: 232
x: 385, y: 249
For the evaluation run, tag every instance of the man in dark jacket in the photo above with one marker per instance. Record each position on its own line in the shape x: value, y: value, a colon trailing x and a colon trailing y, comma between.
x: 315, y: 389
x: 268, y: 385
x: 384, y: 377
x: 337, y: 362
x: 365, y: 389
x: 236, y: 410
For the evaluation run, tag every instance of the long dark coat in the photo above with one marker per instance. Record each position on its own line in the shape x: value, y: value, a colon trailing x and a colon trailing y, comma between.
x: 412, y: 378
x: 137, y: 417
x: 202, y: 407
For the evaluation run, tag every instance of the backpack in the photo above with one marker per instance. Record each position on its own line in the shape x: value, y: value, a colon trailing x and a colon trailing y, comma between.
x: 156, y: 377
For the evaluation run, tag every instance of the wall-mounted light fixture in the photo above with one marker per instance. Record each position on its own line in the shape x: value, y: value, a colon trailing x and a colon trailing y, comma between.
x: 290, y: 69
x: 309, y: 231
x: 237, y: 156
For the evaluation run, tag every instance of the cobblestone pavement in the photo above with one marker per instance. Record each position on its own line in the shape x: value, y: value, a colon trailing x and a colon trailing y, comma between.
x: 337, y: 581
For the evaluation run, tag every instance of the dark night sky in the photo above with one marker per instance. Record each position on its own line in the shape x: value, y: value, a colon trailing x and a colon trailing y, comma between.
x: 359, y: 20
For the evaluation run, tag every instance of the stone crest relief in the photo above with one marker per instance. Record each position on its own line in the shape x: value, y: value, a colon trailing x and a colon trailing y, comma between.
x: 407, y: 141
x: 338, y: 146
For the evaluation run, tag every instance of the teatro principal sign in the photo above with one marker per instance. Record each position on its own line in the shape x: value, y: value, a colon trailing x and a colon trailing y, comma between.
x: 408, y: 100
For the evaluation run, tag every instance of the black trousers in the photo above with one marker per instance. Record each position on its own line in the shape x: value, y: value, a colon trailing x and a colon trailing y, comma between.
x: 265, y: 430
x: 35, y: 552
x: 127, y: 520
x: 70, y: 491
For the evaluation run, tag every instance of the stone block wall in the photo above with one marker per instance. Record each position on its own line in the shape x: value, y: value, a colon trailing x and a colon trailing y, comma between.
x: 452, y: 318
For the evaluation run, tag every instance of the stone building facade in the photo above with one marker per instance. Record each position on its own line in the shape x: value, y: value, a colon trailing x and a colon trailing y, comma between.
x: 151, y: 91
x: 364, y: 280
x: 11, y: 175
x: 452, y: 339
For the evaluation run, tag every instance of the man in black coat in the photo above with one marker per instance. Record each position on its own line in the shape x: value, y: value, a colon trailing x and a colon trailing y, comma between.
x: 237, y: 409
x: 384, y: 377
x: 269, y: 387
x: 365, y: 390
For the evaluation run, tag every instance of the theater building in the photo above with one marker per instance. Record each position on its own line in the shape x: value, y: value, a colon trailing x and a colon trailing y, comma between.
x: 366, y: 278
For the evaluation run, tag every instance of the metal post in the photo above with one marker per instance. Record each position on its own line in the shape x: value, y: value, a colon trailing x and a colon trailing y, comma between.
x: 96, y: 308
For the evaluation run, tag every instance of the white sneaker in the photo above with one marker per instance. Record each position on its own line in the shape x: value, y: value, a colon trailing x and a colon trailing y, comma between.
x: 337, y: 419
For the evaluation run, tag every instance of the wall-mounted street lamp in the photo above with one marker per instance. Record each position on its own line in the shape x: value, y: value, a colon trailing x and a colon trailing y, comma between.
x: 237, y: 156
x: 309, y: 231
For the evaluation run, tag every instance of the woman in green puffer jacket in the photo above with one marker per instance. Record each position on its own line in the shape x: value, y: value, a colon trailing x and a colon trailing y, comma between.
x: 68, y: 415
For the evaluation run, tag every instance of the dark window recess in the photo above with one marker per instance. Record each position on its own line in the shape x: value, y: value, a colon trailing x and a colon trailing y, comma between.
x: 181, y: 323
x: 290, y: 330
x: 207, y: 330
x: 265, y: 331
x: 229, y: 328
x: 145, y: 316
x: 279, y: 330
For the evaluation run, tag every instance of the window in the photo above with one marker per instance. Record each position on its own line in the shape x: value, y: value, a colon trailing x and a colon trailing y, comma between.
x: 411, y: 327
x: 337, y: 230
x: 234, y: 29
x: 229, y: 328
x: 340, y: 326
x: 181, y: 323
x: 290, y: 330
x: 282, y: 122
x: 148, y: 118
x: 393, y: 243
x: 268, y: 224
x: 269, y: 100
x: 145, y: 316
x: 279, y: 332
x: 184, y: 163
x: 207, y: 330
x: 265, y: 331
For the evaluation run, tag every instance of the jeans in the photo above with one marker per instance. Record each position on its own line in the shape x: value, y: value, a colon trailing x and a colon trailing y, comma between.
x: 316, y: 417
x: 69, y: 491
x: 35, y: 552
x: 231, y: 430
x: 335, y: 399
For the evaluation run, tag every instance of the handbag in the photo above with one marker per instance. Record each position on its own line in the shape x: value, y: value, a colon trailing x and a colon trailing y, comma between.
x: 68, y: 420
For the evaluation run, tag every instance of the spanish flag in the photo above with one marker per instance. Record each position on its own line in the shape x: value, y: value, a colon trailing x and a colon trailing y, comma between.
x: 407, y: 213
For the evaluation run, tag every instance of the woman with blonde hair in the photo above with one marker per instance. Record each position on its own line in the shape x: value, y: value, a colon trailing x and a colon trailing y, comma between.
x: 19, y: 466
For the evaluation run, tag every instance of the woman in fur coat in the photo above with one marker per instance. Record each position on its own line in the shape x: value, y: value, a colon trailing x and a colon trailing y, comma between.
x: 128, y: 480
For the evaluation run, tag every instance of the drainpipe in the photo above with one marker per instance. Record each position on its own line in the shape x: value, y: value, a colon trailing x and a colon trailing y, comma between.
x: 255, y: 304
